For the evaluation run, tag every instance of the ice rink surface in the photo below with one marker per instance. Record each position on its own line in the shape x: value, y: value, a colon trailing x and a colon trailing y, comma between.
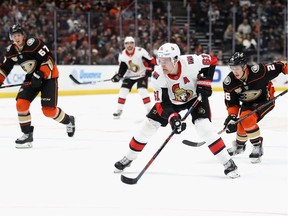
x: 63, y: 176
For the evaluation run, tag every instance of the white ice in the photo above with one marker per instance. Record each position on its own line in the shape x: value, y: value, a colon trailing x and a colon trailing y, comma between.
x: 63, y: 176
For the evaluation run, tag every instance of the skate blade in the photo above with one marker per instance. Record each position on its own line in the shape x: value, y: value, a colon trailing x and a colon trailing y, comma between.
x: 233, y: 174
x: 24, y: 146
x: 118, y: 171
x: 255, y: 160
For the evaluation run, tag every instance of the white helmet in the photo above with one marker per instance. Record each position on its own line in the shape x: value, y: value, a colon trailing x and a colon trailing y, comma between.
x: 169, y: 50
x: 129, y: 39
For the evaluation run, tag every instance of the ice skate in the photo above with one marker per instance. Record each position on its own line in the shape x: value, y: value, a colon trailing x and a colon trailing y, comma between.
x: 236, y: 149
x: 71, y: 127
x: 117, y: 114
x: 257, y: 152
x: 25, y: 141
x: 122, y: 164
x: 231, y: 169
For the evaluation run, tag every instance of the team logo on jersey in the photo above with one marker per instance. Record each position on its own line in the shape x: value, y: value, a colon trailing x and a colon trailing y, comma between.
x: 133, y: 67
x: 190, y: 60
x: 201, y: 110
x: 29, y: 66
x: 180, y: 94
x: 250, y: 95
x: 227, y: 80
x: 155, y: 75
x: 255, y: 68
x: 30, y: 41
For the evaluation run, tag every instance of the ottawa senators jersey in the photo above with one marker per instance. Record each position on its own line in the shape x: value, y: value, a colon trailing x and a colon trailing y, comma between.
x: 35, y: 56
x: 254, y: 90
x: 181, y: 87
x: 134, y: 62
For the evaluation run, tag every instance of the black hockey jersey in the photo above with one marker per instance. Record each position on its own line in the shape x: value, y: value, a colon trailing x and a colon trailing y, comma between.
x: 254, y: 90
x: 34, y: 56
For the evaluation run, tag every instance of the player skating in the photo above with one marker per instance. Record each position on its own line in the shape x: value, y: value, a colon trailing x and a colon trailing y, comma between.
x: 177, y: 82
x: 35, y: 58
x: 135, y: 65
x: 246, y: 88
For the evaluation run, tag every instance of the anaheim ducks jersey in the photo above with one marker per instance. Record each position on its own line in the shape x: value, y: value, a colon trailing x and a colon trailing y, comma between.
x: 256, y: 89
x: 181, y: 87
x: 134, y: 64
x: 35, y: 56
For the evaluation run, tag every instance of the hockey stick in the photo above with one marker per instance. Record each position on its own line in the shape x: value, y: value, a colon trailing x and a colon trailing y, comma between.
x: 85, y: 83
x: 197, y: 144
x: 14, y: 85
x: 94, y: 82
x: 131, y: 181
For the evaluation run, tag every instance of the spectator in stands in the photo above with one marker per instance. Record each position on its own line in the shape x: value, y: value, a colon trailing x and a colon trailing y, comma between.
x: 244, y: 28
x: 228, y: 37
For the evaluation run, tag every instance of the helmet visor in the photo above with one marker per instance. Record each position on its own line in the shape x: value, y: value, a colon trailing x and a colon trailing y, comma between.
x: 236, y: 67
x: 163, y: 60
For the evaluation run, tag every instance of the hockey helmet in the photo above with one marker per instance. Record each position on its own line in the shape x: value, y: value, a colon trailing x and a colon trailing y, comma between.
x: 170, y: 50
x: 15, y: 29
x: 129, y: 39
x: 238, y: 58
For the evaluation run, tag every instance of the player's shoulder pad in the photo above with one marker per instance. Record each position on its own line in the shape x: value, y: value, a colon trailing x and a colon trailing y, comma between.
x: 32, y: 42
x: 157, y: 72
x: 10, y: 51
x: 255, y: 68
x: 10, y: 48
x: 228, y: 80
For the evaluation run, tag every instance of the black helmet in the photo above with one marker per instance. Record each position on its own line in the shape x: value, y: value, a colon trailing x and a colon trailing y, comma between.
x: 238, y: 58
x: 15, y: 29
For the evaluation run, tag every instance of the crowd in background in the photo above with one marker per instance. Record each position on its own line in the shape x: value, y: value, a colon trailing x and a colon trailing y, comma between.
x: 76, y: 20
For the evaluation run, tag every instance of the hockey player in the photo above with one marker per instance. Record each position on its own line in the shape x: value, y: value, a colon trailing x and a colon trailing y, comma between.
x: 177, y: 82
x: 246, y: 88
x: 136, y: 64
x: 37, y: 61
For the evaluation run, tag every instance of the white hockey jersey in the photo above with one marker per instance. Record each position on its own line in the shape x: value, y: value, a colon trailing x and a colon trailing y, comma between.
x: 182, y: 87
x: 134, y: 62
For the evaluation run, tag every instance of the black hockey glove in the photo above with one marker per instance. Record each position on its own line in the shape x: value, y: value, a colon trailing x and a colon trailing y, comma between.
x: 116, y: 78
x: 203, y: 87
x: 176, y: 124
x: 230, y: 126
x: 148, y: 73
x: 36, y: 80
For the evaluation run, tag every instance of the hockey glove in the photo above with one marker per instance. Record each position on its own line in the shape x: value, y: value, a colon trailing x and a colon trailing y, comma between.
x: 116, y: 78
x: 148, y: 73
x: 176, y: 124
x: 230, y: 126
x: 203, y: 87
x: 36, y: 81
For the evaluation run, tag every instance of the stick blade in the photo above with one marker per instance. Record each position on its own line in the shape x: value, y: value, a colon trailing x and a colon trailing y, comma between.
x: 77, y: 81
x: 128, y: 180
x: 193, y: 144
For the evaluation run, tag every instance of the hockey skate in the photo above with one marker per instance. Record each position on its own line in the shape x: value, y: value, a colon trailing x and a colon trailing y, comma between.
x: 25, y: 141
x: 257, y: 152
x: 122, y: 164
x: 236, y: 149
x: 117, y: 114
x: 71, y: 127
x: 231, y: 169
